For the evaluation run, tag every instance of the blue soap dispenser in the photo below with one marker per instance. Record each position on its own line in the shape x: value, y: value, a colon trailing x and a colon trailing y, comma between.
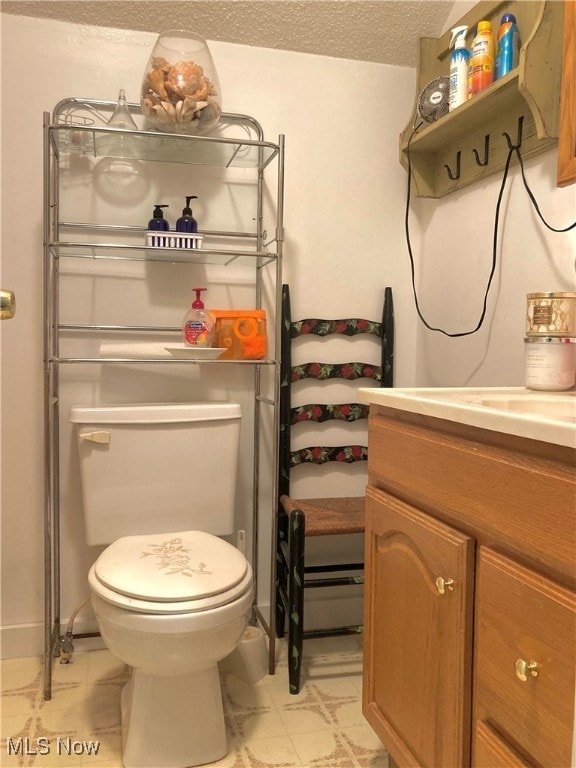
x: 187, y: 222
x: 158, y: 223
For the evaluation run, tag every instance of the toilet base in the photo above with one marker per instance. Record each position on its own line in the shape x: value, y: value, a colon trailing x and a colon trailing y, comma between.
x: 172, y: 722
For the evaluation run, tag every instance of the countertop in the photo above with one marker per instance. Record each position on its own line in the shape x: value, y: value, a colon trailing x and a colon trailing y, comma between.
x: 546, y: 416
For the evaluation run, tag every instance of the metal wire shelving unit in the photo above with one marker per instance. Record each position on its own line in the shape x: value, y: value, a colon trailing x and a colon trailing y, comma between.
x: 72, y: 129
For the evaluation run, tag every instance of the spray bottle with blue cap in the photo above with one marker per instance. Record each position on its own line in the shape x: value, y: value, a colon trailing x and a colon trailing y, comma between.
x: 459, y: 65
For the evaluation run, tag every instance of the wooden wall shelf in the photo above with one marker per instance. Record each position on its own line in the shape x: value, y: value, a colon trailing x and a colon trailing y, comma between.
x: 525, y: 104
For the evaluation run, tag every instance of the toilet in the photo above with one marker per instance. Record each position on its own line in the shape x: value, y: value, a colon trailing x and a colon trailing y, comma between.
x: 171, y: 597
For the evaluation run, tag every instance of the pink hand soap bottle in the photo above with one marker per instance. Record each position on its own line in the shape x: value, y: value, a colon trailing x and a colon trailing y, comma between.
x: 198, y: 324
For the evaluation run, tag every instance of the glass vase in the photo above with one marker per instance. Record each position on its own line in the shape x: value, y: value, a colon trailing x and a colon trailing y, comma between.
x: 180, y: 89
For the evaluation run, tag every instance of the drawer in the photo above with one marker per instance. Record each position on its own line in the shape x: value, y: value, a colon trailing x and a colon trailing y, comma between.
x: 490, y: 750
x: 521, y: 619
x: 521, y: 501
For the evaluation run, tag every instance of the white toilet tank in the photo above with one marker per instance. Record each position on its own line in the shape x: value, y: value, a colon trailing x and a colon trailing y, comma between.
x: 157, y: 468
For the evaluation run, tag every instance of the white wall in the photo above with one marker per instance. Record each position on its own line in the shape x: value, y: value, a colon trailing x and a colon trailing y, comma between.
x: 453, y: 254
x: 454, y: 258
x: 343, y: 218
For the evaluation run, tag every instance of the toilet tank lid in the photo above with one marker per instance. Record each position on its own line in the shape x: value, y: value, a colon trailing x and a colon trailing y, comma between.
x: 154, y: 413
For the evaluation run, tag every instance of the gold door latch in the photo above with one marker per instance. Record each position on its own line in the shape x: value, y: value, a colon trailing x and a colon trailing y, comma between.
x: 443, y: 585
x: 525, y: 669
x: 7, y: 305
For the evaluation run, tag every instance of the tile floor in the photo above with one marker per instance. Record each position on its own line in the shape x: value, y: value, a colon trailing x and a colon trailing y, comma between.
x: 321, y: 727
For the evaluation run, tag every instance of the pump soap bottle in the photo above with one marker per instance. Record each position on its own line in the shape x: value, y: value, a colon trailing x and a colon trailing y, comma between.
x: 158, y: 223
x: 459, y: 66
x: 186, y: 222
x: 198, y: 324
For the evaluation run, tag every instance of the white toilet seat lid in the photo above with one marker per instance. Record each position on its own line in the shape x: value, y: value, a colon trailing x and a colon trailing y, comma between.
x: 171, y: 609
x: 171, y: 568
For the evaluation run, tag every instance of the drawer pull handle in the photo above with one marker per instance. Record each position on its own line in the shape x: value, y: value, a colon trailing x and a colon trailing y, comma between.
x: 525, y: 669
x: 444, y: 584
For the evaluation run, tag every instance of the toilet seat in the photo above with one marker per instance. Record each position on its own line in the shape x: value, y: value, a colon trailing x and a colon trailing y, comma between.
x: 182, y: 572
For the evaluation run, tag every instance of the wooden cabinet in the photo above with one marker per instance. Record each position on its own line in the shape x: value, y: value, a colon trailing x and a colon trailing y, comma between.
x: 470, y: 609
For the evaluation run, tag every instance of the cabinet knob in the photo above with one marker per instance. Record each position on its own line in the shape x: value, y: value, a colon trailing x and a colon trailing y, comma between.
x: 7, y: 305
x: 444, y: 584
x: 525, y: 669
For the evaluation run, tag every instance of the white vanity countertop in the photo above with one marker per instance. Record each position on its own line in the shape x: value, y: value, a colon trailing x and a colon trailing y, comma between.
x: 546, y: 416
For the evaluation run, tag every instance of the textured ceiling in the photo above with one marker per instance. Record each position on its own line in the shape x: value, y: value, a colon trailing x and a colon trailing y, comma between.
x: 384, y: 31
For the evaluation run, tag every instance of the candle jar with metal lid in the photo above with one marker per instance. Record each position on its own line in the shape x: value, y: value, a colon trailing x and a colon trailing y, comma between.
x: 551, y: 314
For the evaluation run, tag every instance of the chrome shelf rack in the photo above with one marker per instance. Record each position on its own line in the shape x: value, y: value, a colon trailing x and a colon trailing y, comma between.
x: 75, y: 128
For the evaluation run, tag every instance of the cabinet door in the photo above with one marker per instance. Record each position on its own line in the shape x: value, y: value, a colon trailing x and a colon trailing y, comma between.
x: 418, y: 634
x: 524, y: 662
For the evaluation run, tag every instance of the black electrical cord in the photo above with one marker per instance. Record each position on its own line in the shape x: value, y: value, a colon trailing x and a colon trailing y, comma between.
x: 511, y: 151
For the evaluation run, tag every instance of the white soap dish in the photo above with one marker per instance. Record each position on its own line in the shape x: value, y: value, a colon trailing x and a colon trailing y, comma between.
x: 194, y: 353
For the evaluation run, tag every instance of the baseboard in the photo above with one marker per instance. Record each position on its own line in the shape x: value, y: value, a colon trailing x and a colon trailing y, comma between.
x: 20, y: 640
x: 322, y: 610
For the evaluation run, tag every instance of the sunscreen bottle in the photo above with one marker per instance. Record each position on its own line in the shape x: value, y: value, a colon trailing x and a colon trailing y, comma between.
x: 482, y: 57
x: 459, y: 65
x: 198, y: 324
x: 474, y: 33
x: 508, y: 45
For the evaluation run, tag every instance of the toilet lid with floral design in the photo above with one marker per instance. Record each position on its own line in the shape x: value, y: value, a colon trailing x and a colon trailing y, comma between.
x: 171, y: 567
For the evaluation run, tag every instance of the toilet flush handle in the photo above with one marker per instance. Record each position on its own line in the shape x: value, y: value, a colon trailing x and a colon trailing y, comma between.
x: 96, y: 437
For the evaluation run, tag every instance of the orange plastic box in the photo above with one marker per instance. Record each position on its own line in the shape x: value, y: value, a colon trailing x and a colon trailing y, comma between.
x: 242, y: 332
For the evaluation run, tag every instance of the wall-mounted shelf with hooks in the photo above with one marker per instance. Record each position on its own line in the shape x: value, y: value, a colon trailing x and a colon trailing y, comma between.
x: 472, y: 142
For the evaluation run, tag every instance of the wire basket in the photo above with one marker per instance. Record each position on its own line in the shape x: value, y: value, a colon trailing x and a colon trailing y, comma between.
x: 159, y: 239
x: 75, y: 140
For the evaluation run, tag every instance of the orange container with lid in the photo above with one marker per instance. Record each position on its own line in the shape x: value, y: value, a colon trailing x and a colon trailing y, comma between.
x: 242, y: 332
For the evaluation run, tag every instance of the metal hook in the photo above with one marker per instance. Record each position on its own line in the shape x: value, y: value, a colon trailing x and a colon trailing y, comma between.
x: 450, y: 174
x: 486, y: 151
x: 519, y: 136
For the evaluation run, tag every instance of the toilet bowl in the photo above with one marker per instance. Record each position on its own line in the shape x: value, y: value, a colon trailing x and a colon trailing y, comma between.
x: 172, y: 606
